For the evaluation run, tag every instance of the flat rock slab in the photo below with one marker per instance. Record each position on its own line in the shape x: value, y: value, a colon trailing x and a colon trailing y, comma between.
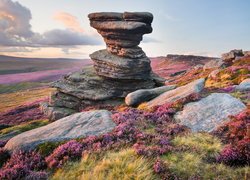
x: 75, y: 126
x: 144, y: 95
x: 210, y: 112
x: 244, y: 85
x: 88, y: 85
x: 178, y: 93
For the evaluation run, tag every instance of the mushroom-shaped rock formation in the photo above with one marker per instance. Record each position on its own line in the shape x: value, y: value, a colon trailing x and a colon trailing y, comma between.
x: 119, y: 69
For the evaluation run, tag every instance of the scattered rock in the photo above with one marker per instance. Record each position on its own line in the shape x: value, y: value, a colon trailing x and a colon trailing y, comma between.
x: 75, y: 126
x: 143, y: 95
x: 244, y: 85
x: 215, y: 63
x: 178, y: 93
x: 178, y: 73
x: 210, y: 112
x: 230, y: 56
x: 246, y: 53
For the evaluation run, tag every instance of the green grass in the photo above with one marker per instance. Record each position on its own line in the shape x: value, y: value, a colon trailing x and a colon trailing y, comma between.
x: 10, y: 88
x: 24, y: 127
x: 192, y: 160
x: 123, y: 165
x: 13, y: 100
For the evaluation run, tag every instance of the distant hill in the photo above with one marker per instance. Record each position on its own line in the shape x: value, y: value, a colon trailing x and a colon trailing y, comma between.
x: 14, y: 65
x: 172, y: 63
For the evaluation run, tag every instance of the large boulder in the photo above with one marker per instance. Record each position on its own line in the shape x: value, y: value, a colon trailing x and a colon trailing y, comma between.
x: 210, y: 112
x: 75, y: 126
x: 108, y: 65
x: 178, y: 93
x: 244, y: 85
x: 144, y: 95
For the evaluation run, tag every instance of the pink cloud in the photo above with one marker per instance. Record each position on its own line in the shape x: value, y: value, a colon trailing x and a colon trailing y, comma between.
x: 69, y: 21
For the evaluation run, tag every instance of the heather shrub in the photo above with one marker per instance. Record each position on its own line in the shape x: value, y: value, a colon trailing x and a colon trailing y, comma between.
x: 112, y: 165
x: 71, y: 150
x: 21, y: 164
x: 37, y: 175
x: 237, y: 155
x: 4, y: 156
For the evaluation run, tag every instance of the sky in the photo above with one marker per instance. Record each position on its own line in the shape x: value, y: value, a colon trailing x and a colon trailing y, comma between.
x: 60, y: 28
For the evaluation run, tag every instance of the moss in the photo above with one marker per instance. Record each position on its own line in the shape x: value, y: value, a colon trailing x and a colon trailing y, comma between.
x: 25, y: 127
x: 47, y: 148
x: 112, y: 165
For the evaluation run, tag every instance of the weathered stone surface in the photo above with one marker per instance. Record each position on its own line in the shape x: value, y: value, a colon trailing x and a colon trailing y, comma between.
x: 89, y: 86
x: 230, y: 56
x: 210, y: 112
x: 244, y: 85
x: 178, y: 93
x: 144, y: 95
x: 75, y: 126
x: 246, y: 53
x: 138, y: 16
x: 158, y: 80
x: 122, y: 32
x: 60, y: 99
x: 133, y: 53
x: 214, y: 63
x: 54, y: 113
x: 112, y: 66
x: 105, y: 16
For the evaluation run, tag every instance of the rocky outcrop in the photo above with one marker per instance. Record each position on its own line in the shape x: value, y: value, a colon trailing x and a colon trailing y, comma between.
x: 119, y: 69
x: 75, y: 126
x: 210, y: 112
x: 144, y: 95
x: 244, y: 85
x: 229, y: 57
x: 178, y: 93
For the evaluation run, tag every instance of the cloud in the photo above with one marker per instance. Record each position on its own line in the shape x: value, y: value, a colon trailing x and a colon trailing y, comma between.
x: 69, y: 21
x: 149, y: 40
x: 16, y: 30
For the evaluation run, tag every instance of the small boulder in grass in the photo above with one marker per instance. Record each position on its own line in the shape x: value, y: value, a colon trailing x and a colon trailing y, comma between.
x: 209, y: 113
x: 244, y: 85
x: 178, y: 93
x: 213, y: 64
x: 78, y: 125
x: 143, y: 95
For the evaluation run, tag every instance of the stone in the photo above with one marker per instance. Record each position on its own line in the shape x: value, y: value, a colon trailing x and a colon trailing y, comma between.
x: 209, y: 113
x: 145, y: 17
x: 111, y: 66
x: 214, y: 64
x: 123, y: 32
x: 178, y: 93
x: 60, y: 99
x: 118, y: 70
x: 230, y: 56
x: 134, y: 53
x: 54, y: 113
x: 244, y: 85
x: 137, y: 97
x: 87, y: 85
x: 78, y: 125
